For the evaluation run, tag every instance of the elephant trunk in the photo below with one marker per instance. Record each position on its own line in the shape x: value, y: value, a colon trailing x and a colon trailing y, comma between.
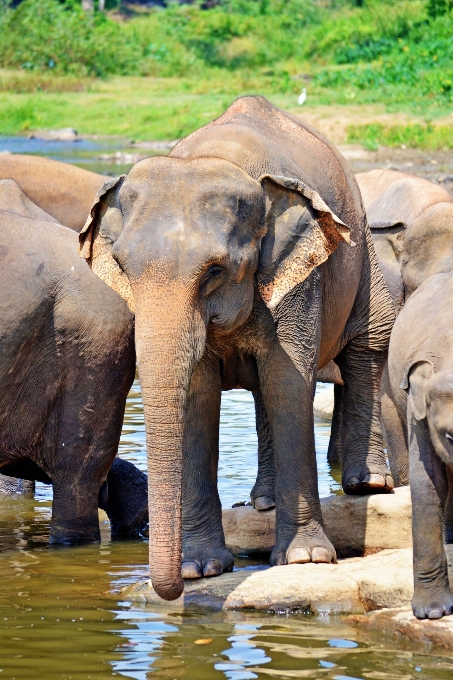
x: 168, y: 344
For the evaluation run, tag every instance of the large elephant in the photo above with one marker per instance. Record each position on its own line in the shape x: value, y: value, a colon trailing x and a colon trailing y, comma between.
x: 67, y: 361
x: 62, y: 190
x: 247, y: 261
x: 411, y: 221
x: 421, y: 387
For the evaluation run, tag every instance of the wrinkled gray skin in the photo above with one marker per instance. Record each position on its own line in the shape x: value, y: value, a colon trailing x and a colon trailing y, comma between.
x: 421, y: 386
x: 239, y: 274
x: 66, y: 364
x: 411, y: 221
x: 65, y: 192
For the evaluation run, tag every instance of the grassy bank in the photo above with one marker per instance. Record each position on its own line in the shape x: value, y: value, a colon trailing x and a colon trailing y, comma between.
x: 162, y: 73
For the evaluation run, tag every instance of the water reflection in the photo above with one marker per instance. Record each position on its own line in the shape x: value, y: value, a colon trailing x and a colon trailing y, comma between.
x: 62, y: 614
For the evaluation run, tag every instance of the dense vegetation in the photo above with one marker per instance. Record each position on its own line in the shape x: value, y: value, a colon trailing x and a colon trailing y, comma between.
x: 346, y: 51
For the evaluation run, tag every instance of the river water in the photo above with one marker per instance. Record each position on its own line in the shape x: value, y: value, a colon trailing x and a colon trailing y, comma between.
x: 62, y: 614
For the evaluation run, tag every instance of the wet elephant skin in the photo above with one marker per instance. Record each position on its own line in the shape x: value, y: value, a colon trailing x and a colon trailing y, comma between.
x: 246, y: 258
x: 67, y: 361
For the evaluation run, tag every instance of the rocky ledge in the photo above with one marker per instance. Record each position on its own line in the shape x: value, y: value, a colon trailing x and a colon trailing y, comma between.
x: 354, y: 585
x: 374, y: 590
x: 356, y: 525
x: 376, y: 527
x: 401, y: 623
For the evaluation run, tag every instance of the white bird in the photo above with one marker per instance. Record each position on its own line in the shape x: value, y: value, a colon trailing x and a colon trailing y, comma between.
x: 302, y: 97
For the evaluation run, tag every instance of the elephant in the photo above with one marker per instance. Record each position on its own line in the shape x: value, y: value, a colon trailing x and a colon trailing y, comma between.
x: 420, y: 371
x: 62, y: 190
x: 67, y: 361
x: 411, y: 222
x: 246, y: 259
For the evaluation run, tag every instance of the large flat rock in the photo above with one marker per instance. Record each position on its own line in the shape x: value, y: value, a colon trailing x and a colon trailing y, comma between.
x: 354, y: 585
x: 356, y: 525
x: 401, y: 623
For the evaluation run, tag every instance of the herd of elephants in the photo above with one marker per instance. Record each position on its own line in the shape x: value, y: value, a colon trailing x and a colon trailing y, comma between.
x: 249, y: 257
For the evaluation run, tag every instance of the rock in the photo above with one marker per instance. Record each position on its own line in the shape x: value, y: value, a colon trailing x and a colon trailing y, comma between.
x: 155, y: 145
x: 354, y: 585
x: 62, y: 135
x: 13, y: 486
x: 323, y: 404
x: 121, y: 158
x: 356, y: 525
x: 401, y: 622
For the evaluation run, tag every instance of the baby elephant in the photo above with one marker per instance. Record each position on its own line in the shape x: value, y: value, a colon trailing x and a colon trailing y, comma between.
x: 67, y: 361
x: 421, y: 379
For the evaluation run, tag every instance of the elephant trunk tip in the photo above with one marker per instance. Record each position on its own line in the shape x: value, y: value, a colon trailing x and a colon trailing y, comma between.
x: 168, y: 591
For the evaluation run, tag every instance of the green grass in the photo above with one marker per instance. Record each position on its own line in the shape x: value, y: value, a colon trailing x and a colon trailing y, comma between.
x: 163, y: 72
x: 137, y: 108
x: 373, y: 135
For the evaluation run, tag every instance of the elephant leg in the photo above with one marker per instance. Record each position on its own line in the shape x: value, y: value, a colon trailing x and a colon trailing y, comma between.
x: 263, y: 492
x: 364, y: 467
x: 204, y: 551
x: 79, y: 459
x: 288, y: 399
x: 448, y: 509
x: 334, y: 450
x: 74, y: 508
x: 432, y: 598
x: 395, y: 434
x: 124, y: 497
x: 12, y: 485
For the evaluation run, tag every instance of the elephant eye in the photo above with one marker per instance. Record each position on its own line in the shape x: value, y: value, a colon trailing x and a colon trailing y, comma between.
x: 449, y: 437
x: 214, y: 271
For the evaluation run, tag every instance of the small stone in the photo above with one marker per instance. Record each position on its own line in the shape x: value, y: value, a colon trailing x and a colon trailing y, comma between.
x: 62, y: 135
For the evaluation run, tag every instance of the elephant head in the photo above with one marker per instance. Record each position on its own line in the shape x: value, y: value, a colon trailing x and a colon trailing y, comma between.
x: 188, y: 243
x: 431, y: 396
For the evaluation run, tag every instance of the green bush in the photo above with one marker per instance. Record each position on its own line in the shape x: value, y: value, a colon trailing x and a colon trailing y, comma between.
x: 374, y: 50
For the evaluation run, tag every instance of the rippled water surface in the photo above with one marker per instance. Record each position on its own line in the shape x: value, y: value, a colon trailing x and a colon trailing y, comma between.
x: 62, y: 614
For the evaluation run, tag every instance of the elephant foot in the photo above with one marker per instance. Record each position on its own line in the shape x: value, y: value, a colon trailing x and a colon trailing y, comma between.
x: 263, y: 494
x: 432, y: 604
x: 263, y: 503
x: 363, y: 482
x: 208, y: 562
x: 304, y: 548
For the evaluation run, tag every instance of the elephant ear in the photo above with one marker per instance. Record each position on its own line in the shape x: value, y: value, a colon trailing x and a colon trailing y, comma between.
x: 416, y: 381
x: 300, y: 233
x: 102, y: 229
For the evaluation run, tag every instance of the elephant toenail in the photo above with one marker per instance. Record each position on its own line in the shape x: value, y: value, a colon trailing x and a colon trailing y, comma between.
x: 298, y: 556
x: 389, y: 483
x: 212, y: 568
x: 264, y: 503
x: 435, y: 614
x: 374, y: 481
x: 320, y: 554
x: 279, y: 559
x: 353, y: 483
x: 191, y: 570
